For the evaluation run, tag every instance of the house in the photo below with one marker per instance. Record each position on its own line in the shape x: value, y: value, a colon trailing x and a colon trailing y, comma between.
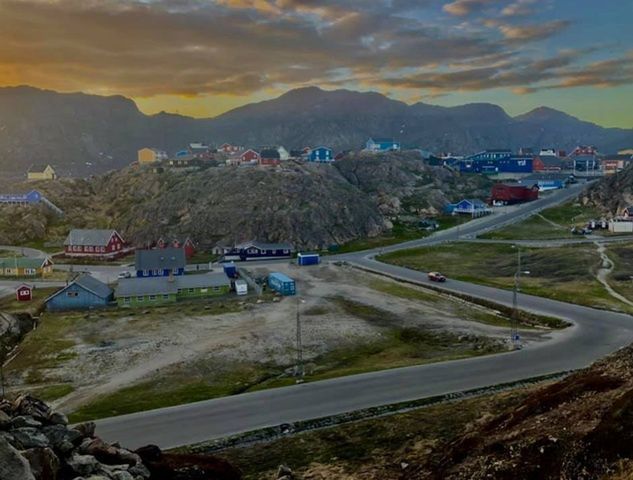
x: 95, y: 243
x: 160, y: 263
x: 495, y: 164
x: 471, y: 206
x: 85, y: 292
x: 24, y: 293
x: 250, y: 156
x: 547, y: 163
x: 491, y: 154
x: 546, y: 182
x: 615, y: 163
x: 31, y: 198
x: 547, y: 152
x: 621, y: 226
x: 511, y: 193
x: 200, y: 150
x: 228, y: 148
x: 184, y: 242
x: 25, y: 267
x: 41, y: 172
x: 627, y: 212
x: 269, y: 157
x: 297, y: 154
x: 283, y: 153
x: 142, y: 292
x: 584, y: 158
x: 149, y: 155
x: 321, y: 154
x: 257, y: 251
x: 382, y: 145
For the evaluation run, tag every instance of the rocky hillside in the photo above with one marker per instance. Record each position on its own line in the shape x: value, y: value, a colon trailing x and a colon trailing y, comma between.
x: 613, y: 193
x: 308, y: 205
x: 38, y: 444
x: 87, y: 134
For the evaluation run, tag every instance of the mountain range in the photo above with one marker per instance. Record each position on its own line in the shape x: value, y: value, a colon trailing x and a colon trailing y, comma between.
x: 85, y: 134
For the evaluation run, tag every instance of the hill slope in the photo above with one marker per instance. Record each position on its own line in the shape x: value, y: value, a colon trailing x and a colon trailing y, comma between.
x: 88, y: 134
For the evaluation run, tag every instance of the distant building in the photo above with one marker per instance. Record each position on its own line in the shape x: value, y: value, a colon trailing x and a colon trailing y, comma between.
x: 25, y: 267
x: 508, y: 193
x: 250, y: 156
x: 41, y: 172
x: 321, y: 155
x: 378, y: 145
x: 178, y: 241
x: 83, y: 293
x: 547, y: 152
x: 255, y: 251
x: 32, y: 197
x: 615, y: 163
x: 547, y: 163
x: 473, y: 207
x: 494, y: 162
x: 269, y: 157
x: 95, y: 243
x: 160, y: 263
x: 626, y: 151
x: 24, y: 293
x: 149, y: 155
x: 200, y: 151
x: 228, y: 148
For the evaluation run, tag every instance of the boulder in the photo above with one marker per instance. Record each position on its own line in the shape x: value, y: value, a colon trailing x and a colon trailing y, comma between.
x: 61, y: 438
x: 58, y: 418
x: 109, y: 454
x: 44, y: 463
x: 31, y: 406
x: 29, y: 437
x: 5, y: 420
x: 83, y: 465
x: 13, y: 466
x: 25, y: 421
x: 86, y: 429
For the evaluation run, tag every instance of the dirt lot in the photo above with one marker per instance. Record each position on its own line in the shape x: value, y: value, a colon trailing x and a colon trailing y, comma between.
x: 239, y: 344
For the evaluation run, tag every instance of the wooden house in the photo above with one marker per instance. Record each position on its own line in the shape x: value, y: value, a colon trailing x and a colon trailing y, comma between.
x: 321, y: 155
x: 250, y: 156
x: 41, y: 172
x: 25, y: 267
x: 24, y: 293
x: 377, y: 145
x: 228, y: 148
x: 164, y: 262
x: 258, y: 251
x: 269, y: 157
x: 83, y: 293
x: 180, y: 241
x: 149, y: 155
x: 95, y: 243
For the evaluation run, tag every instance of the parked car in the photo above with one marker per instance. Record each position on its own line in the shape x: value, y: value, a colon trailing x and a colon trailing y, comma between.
x: 436, y: 277
x: 125, y: 275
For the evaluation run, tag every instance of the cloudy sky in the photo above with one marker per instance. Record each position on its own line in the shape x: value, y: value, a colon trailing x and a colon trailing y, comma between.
x: 203, y: 57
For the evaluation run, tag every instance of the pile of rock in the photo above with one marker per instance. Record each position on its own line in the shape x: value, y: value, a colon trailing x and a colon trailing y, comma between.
x: 38, y: 444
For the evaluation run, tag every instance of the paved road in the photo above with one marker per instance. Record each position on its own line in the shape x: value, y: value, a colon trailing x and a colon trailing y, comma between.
x: 25, y: 251
x: 595, y: 333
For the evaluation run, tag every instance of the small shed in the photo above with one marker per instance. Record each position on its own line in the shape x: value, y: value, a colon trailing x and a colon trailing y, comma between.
x: 282, y: 284
x: 304, y: 259
x: 24, y: 293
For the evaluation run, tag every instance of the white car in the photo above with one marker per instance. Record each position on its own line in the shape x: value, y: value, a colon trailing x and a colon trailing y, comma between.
x: 125, y: 275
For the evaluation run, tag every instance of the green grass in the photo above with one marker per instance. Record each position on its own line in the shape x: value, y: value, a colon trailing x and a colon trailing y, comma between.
x: 561, y: 273
x: 400, y: 233
x: 621, y: 278
x: 402, y: 291
x: 368, y: 442
x: 202, y: 257
x: 11, y: 305
x: 52, y: 392
x: 538, y: 228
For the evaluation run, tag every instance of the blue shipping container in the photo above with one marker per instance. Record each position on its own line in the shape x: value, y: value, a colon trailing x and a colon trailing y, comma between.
x: 308, y: 259
x: 281, y: 283
x: 230, y: 270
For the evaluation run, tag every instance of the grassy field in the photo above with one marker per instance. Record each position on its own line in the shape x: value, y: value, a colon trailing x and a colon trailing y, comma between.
x: 11, y: 305
x: 551, y: 223
x: 378, y: 442
x: 400, y: 233
x: 562, y: 273
x: 396, y: 347
x: 621, y: 278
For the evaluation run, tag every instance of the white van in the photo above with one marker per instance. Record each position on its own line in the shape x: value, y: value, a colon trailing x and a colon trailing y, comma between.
x: 241, y: 287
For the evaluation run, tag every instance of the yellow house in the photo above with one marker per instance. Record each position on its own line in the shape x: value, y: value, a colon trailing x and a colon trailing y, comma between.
x: 25, y: 267
x: 150, y: 155
x: 628, y: 151
x: 41, y: 172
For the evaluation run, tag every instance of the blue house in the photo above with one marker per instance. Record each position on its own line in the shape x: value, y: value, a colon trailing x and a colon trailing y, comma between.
x: 21, y: 198
x: 382, y: 145
x: 257, y: 251
x: 470, y: 206
x: 321, y: 154
x: 494, y: 154
x: 162, y: 262
x: 83, y: 293
x: 494, y: 165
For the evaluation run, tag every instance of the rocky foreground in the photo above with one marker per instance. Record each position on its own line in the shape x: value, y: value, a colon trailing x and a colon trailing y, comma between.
x: 38, y: 444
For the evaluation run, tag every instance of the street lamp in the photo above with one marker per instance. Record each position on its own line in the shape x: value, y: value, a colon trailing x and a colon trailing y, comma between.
x: 514, y: 321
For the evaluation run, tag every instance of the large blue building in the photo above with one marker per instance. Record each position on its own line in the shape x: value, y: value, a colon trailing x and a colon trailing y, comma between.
x: 321, y: 154
x: 495, y: 162
x: 161, y: 262
x: 83, y: 293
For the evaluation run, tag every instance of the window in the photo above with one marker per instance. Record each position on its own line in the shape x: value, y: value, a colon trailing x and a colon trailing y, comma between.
x: 140, y: 298
x: 30, y: 271
x: 152, y: 298
x: 190, y: 290
x: 72, y: 294
x: 165, y: 297
x: 286, y: 251
x: 126, y: 299
x: 204, y: 290
x: 216, y: 289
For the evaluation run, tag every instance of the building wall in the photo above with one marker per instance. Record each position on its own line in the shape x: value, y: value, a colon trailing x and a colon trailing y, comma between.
x: 75, y: 298
x: 146, y: 300
x: 48, y: 174
x: 200, y: 292
x: 165, y: 272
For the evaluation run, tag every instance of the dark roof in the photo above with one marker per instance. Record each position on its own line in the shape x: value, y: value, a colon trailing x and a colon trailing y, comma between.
x: 89, y: 237
x: 130, y: 287
x: 269, y: 153
x: 171, y: 258
x: 265, y: 246
x: 24, y: 262
x: 89, y: 283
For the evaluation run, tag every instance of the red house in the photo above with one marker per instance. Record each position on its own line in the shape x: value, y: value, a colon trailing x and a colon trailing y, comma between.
x: 24, y: 293
x: 547, y: 163
x: 95, y: 244
x: 269, y: 157
x: 508, y: 194
x: 186, y: 243
x: 250, y: 156
x: 228, y: 148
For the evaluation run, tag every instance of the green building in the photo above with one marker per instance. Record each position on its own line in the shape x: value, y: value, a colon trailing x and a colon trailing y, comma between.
x: 145, y: 292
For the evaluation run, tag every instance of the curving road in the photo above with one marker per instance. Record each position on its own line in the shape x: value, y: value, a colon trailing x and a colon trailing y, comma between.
x: 594, y: 334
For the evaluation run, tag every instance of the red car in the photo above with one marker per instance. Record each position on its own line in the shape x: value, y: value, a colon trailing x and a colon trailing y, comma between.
x: 436, y: 277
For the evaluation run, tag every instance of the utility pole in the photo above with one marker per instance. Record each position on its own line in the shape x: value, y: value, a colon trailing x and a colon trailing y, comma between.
x: 514, y: 321
x: 299, y: 370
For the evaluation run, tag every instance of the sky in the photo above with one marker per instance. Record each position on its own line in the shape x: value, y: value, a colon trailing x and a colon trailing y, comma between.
x: 204, y: 57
